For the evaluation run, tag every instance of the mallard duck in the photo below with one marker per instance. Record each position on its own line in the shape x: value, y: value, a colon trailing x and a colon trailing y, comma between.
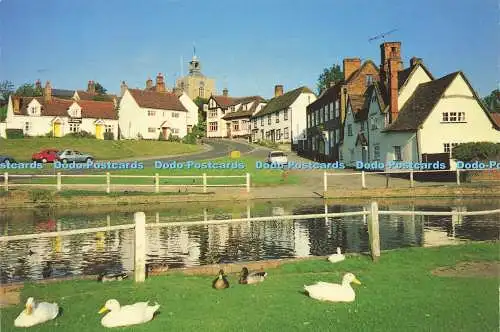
x: 36, y: 313
x: 251, y: 278
x: 221, y: 281
x: 325, y: 291
x: 336, y: 257
x: 137, y: 313
x: 111, y: 277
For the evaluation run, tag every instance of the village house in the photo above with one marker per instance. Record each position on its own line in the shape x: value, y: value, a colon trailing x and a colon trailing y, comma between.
x: 230, y: 116
x: 155, y: 113
x: 326, y: 115
x: 38, y: 116
x: 410, y: 116
x: 283, y: 119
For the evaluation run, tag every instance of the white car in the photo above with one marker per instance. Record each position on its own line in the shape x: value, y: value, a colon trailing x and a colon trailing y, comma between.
x: 277, y: 157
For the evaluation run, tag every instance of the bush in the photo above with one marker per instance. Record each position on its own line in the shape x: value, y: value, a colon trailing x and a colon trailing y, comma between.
x: 173, y: 138
x: 268, y: 144
x: 14, y: 133
x: 49, y: 134
x: 189, y: 138
x: 109, y: 136
x: 161, y: 137
x: 477, y: 151
x: 81, y: 134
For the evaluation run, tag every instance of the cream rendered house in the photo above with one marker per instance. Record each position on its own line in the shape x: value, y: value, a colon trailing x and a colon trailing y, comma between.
x: 149, y: 114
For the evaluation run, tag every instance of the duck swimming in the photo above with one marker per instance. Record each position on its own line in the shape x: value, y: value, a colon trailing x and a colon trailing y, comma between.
x: 247, y: 278
x: 221, y: 281
x: 137, y: 313
x: 324, y: 291
x: 36, y: 313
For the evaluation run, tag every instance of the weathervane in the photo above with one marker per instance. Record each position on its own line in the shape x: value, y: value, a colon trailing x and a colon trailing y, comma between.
x: 382, y: 35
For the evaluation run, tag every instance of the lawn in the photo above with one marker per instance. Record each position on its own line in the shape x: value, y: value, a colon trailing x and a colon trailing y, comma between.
x: 399, y: 293
x: 22, y: 149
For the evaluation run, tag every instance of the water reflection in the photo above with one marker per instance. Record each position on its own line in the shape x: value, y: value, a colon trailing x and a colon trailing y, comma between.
x: 180, y: 246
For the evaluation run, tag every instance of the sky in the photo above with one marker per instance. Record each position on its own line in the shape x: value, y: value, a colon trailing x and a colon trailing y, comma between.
x: 247, y: 46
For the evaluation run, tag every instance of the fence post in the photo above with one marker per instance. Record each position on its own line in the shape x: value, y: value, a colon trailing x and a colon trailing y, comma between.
x: 325, y: 183
x: 204, y: 182
x: 373, y: 231
x: 108, y: 183
x: 458, y: 176
x: 411, y: 178
x: 248, y: 182
x: 157, y: 183
x: 59, y: 185
x: 363, y: 182
x: 140, y: 247
x: 6, y: 181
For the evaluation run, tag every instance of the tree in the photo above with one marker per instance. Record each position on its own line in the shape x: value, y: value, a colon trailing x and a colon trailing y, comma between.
x: 332, y: 74
x: 493, y: 101
x: 202, y: 116
x: 99, y: 89
x: 29, y: 90
x: 6, y: 89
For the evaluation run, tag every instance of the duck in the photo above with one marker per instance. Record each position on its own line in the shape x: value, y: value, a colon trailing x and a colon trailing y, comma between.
x: 247, y: 278
x: 111, y: 277
x: 324, y: 291
x: 221, y: 281
x: 156, y: 268
x: 338, y: 257
x: 133, y: 314
x: 36, y: 313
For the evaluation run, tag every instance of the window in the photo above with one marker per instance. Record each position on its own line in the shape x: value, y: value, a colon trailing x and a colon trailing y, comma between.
x: 337, y: 109
x: 376, y: 151
x: 175, y: 114
x: 368, y: 80
x: 244, y: 125
x: 151, y: 130
x: 341, y: 155
x: 374, y: 98
x: 316, y: 117
x: 27, y: 127
x: 232, y: 108
x: 308, y: 118
x: 212, y: 126
x: 332, y: 114
x: 151, y: 113
x: 321, y: 113
x: 327, y: 112
x: 201, y: 92
x: 446, y: 147
x: 285, y: 133
x: 236, y: 125
x: 212, y: 114
x: 109, y: 128
x: 278, y: 117
x: 453, y: 117
x: 397, y: 153
x: 362, y: 125
x: 373, y: 122
x: 269, y: 119
x: 349, y: 130
x: 255, y: 123
x: 461, y: 117
x: 74, y: 127
x: 285, y: 115
x: 278, y: 134
x: 262, y: 121
x: 332, y: 138
x: 175, y: 130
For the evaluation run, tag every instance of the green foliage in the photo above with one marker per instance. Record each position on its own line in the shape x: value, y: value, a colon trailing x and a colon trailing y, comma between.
x: 332, y: 74
x: 200, y: 101
x: 268, y: 144
x: 189, y: 138
x: 14, y: 133
x: 99, y: 89
x: 80, y: 134
x: 49, y: 134
x: 109, y: 136
x: 493, y: 101
x: 173, y: 138
x: 161, y: 137
x: 3, y: 113
x: 477, y: 151
x: 100, y: 98
x: 6, y: 89
x: 29, y: 90
x: 41, y: 196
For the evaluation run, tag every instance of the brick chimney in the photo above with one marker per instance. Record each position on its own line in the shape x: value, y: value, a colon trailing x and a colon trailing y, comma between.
x: 225, y: 92
x: 389, y: 50
x: 38, y: 85
x: 278, y: 90
x: 350, y: 66
x: 393, y: 88
x: 16, y: 102
x: 123, y: 88
x: 160, y: 83
x: 149, y: 84
x: 91, y: 87
x: 47, y: 92
x: 414, y: 61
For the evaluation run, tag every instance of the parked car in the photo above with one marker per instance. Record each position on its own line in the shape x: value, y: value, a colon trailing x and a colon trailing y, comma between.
x: 67, y: 155
x: 5, y: 158
x: 277, y: 157
x: 45, y: 156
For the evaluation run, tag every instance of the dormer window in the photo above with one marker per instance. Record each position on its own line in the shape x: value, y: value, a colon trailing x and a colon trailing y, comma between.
x: 32, y: 110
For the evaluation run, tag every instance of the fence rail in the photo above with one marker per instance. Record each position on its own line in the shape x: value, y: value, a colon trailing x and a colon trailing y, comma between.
x: 156, y: 185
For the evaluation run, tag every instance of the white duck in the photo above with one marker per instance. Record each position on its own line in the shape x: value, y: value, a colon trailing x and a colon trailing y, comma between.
x: 338, y: 257
x: 36, y: 313
x: 325, y: 291
x: 137, y: 313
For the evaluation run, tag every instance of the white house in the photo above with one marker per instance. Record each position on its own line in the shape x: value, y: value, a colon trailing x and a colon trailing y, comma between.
x: 230, y: 116
x: 38, y: 116
x: 283, y: 119
x: 148, y: 114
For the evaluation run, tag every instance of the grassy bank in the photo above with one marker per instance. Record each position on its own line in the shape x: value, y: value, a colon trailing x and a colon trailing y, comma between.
x: 399, y: 293
x: 22, y: 149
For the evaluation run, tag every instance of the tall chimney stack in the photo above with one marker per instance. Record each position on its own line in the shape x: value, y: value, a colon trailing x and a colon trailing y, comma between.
x: 16, y: 102
x: 225, y: 92
x: 389, y: 50
x: 160, y: 83
x: 350, y: 66
x: 393, y: 88
x: 278, y: 90
x: 47, y: 92
x: 149, y: 83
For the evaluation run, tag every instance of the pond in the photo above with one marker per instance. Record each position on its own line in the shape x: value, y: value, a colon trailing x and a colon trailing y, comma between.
x: 184, y: 246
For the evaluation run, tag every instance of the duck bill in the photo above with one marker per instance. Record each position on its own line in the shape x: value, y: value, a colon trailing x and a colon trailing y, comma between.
x: 103, y: 310
x: 356, y: 281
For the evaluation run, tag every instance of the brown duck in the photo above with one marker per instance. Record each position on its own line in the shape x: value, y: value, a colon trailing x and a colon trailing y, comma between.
x: 221, y: 281
x: 251, y: 278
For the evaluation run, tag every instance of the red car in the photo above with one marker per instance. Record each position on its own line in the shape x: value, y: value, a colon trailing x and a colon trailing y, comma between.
x: 45, y: 156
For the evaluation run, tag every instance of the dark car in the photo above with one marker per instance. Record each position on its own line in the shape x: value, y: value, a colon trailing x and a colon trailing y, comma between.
x: 4, y: 158
x: 45, y: 156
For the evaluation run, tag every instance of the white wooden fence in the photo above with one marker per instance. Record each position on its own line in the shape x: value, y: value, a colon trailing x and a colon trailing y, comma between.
x: 140, y: 226
x: 108, y: 185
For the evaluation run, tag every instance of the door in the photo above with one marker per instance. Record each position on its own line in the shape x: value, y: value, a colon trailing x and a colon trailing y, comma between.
x: 164, y: 132
x: 99, y: 132
x: 228, y: 130
x: 57, y: 129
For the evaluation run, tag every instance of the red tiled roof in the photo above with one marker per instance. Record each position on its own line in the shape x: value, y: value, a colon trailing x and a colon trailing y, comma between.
x: 98, y: 109
x: 84, y: 95
x: 224, y: 101
x: 157, y: 100
x: 496, y: 118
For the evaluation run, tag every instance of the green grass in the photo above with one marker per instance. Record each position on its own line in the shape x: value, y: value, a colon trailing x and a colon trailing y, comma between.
x: 398, y: 293
x: 22, y: 149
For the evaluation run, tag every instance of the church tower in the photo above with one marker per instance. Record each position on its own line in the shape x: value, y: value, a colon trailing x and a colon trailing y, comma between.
x: 195, y: 65
x: 195, y: 84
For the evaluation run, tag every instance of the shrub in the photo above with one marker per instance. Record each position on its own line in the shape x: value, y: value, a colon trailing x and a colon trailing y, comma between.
x: 161, y: 137
x: 109, y: 136
x: 81, y: 134
x: 173, y: 138
x: 477, y: 151
x: 268, y: 144
x: 14, y: 133
x: 49, y: 134
x: 189, y: 138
